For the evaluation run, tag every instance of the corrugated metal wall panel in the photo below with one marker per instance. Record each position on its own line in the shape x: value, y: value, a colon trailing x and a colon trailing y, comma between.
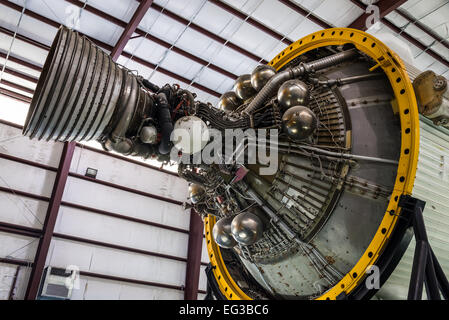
x: 432, y: 186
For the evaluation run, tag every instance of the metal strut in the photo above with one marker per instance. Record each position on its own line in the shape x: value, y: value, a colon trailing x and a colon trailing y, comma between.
x: 426, y: 271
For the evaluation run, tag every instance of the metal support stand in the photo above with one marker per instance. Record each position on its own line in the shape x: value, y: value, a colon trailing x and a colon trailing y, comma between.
x: 426, y: 270
x: 213, y: 290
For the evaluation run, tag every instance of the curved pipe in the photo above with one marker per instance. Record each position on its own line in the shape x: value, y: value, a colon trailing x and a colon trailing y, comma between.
x: 275, y: 82
x: 165, y: 122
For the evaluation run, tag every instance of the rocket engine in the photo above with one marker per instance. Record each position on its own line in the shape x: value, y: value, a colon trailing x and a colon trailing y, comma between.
x: 347, y: 149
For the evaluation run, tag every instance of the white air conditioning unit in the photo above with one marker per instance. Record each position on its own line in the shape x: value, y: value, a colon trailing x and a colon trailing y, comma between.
x: 57, y: 283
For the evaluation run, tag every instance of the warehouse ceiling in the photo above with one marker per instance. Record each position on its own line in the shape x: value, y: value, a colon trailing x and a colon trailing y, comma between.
x: 203, y: 45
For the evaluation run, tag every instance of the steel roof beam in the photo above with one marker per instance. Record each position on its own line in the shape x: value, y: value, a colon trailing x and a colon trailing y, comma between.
x: 423, y: 27
x: 252, y: 21
x: 307, y: 14
x: 205, y: 32
x: 194, y: 251
x: 407, y: 36
x: 130, y: 28
x: 25, y: 39
x: 106, y: 47
x: 18, y: 74
x: 14, y: 95
x: 50, y: 221
x: 152, y: 38
x: 385, y: 7
x: 20, y: 230
x: 16, y: 86
x: 25, y: 263
x: 21, y: 62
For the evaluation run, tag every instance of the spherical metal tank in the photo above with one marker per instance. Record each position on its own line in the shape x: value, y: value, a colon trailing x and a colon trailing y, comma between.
x: 299, y: 122
x: 247, y: 228
x: 229, y: 101
x: 196, y: 192
x: 261, y: 75
x: 222, y: 233
x: 293, y: 93
x: 243, y: 88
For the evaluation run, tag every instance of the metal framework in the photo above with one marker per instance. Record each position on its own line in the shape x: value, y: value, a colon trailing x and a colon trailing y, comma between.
x: 205, y: 32
x: 50, y: 221
x: 14, y: 95
x: 251, y: 21
x: 130, y: 28
x: 423, y: 27
x: 193, y: 260
x: 426, y: 271
x: 21, y: 62
x: 5, y: 227
x: 23, y: 263
x: 307, y: 14
x: 194, y: 251
x: 407, y: 36
x: 147, y: 35
x: 136, y: 59
x: 94, y: 210
x: 385, y: 7
x: 100, y: 44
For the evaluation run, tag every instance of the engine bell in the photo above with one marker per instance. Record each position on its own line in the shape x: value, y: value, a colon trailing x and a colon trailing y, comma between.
x: 196, y: 192
x: 247, y: 228
x: 293, y: 93
x: 222, y: 233
x: 229, y: 101
x: 243, y: 88
x: 299, y: 122
x: 261, y: 75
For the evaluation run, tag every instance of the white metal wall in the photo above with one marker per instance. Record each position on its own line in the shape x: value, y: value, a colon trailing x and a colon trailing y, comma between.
x: 432, y: 186
x: 19, y: 210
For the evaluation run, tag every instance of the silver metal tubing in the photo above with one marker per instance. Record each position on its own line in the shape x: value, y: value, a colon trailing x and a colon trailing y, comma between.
x: 273, y: 84
x: 349, y: 80
x: 329, y: 61
x: 338, y: 155
x: 320, y: 263
x: 347, y: 155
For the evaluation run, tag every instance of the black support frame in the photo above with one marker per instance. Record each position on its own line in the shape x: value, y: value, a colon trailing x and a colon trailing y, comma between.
x: 426, y: 271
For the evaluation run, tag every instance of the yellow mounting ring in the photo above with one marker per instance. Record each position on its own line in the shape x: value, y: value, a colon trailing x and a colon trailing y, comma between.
x: 394, y: 68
